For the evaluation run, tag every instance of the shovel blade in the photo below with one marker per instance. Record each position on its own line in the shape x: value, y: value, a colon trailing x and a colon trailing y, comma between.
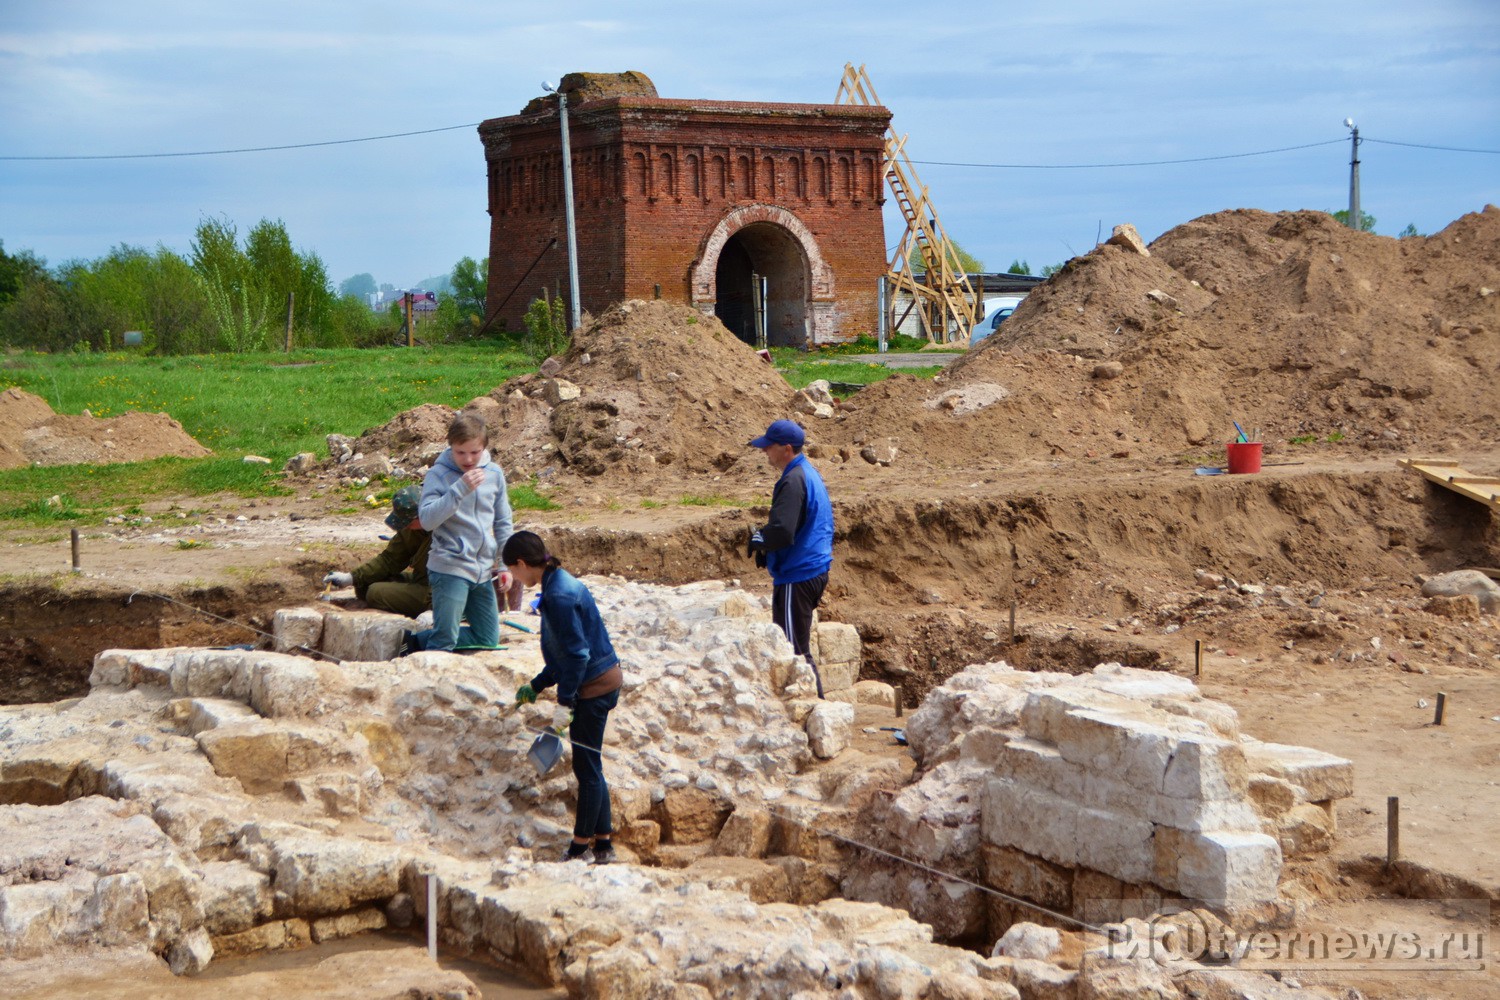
x: 546, y: 750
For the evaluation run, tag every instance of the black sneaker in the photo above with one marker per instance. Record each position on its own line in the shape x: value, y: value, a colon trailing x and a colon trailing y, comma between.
x: 577, y: 852
x: 604, y: 854
x: 408, y: 644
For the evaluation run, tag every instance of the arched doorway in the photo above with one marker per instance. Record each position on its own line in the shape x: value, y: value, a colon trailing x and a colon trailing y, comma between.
x: 763, y: 256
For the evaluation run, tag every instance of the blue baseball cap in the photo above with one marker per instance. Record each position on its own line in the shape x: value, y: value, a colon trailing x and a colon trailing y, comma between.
x: 780, y: 432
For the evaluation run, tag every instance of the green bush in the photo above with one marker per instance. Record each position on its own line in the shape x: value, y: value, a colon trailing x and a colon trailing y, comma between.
x: 546, y: 329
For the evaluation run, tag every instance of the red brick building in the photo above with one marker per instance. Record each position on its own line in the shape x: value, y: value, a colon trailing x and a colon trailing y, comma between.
x: 686, y: 200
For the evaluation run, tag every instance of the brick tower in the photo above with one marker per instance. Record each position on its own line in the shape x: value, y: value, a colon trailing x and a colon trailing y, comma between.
x: 692, y: 201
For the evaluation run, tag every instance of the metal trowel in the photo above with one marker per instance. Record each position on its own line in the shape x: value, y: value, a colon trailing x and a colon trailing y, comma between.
x: 546, y: 750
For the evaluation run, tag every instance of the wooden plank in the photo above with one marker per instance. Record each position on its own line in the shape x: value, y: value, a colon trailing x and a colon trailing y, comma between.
x: 1451, y: 475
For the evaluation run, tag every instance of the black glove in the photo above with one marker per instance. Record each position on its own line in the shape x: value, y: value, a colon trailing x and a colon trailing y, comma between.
x: 755, y: 547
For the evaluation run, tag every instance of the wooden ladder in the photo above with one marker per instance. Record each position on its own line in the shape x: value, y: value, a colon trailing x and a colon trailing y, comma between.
x: 945, y: 302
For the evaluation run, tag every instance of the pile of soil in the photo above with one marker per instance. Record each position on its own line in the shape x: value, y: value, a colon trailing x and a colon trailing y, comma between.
x: 32, y: 434
x: 1285, y: 322
x: 661, y: 390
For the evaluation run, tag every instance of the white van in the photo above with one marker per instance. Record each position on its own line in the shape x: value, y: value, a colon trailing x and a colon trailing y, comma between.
x: 995, y: 311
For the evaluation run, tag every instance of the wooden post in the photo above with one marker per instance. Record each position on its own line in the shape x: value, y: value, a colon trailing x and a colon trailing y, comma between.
x: 1197, y: 657
x: 1437, y: 719
x: 1012, y: 623
x: 1392, y: 830
x: 290, y: 297
x: 77, y: 566
x: 899, y: 700
x: 411, y: 336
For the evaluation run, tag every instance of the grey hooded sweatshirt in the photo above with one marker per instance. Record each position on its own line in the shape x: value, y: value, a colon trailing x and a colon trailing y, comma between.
x: 469, y: 527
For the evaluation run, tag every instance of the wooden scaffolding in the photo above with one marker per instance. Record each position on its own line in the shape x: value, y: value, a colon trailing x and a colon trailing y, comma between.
x: 943, y: 299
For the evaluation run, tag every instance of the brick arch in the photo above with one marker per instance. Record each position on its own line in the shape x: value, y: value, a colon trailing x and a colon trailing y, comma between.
x: 819, y: 305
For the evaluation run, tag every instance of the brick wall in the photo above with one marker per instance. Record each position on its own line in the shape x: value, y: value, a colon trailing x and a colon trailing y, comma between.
x: 660, y: 185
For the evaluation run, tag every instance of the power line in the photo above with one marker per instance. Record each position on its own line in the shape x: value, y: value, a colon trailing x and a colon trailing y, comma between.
x: 1420, y: 145
x: 248, y: 149
x: 1139, y: 163
x: 766, y: 146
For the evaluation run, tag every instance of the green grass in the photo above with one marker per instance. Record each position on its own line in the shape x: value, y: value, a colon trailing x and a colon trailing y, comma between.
x: 711, y: 500
x: 832, y: 362
x: 525, y: 497
x: 269, y: 404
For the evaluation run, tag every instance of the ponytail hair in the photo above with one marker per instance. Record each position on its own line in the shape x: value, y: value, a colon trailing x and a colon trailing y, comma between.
x: 527, y: 547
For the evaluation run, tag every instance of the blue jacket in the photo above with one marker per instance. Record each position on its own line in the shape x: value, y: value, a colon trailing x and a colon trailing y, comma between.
x: 799, y: 537
x: 575, y: 645
x: 469, y: 527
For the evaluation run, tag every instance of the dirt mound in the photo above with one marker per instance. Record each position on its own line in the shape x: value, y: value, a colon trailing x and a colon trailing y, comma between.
x: 31, y: 434
x: 1285, y: 322
x: 648, y: 389
x: 422, y: 426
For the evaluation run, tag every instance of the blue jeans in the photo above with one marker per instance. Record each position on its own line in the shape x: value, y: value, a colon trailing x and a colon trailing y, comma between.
x: 454, y: 599
x: 587, y: 734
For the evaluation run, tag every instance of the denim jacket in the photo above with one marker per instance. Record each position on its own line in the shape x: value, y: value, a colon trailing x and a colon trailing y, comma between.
x: 575, y: 645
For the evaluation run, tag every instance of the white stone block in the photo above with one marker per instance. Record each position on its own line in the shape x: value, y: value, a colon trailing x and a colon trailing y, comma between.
x: 282, y: 685
x: 1136, y: 750
x: 322, y: 875
x: 1116, y: 844
x: 837, y: 642
x: 1037, y: 765
x: 1222, y: 868
x: 364, y: 637
x: 198, y: 715
x: 838, y: 675
x: 297, y: 628
x: 34, y: 917
x: 213, y: 673
x: 874, y: 693
x: 845, y: 695
x: 829, y: 727
x: 236, y: 897
x: 1031, y: 820
x: 1206, y: 768
x: 1322, y: 775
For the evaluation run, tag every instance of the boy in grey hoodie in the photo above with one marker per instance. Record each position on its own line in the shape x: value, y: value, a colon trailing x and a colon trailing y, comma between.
x: 465, y: 506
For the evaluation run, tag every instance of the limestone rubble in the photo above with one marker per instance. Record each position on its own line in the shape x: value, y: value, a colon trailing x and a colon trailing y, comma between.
x: 201, y: 803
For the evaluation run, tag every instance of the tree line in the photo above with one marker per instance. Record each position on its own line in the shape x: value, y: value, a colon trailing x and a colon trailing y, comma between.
x: 226, y: 295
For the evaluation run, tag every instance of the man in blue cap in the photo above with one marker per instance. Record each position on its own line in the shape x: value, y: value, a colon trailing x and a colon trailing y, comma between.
x: 796, y: 544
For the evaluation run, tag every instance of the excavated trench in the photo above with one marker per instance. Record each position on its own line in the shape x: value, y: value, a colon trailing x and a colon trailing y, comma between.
x: 931, y: 584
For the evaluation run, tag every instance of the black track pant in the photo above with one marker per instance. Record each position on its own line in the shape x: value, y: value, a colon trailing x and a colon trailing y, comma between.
x: 792, y: 607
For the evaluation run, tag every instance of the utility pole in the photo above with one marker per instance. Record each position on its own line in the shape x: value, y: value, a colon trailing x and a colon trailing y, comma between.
x: 1354, y: 220
x: 567, y: 172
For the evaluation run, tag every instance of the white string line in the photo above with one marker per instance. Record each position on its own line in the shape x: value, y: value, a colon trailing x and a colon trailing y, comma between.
x: 612, y: 755
x: 227, y: 621
x: 950, y: 876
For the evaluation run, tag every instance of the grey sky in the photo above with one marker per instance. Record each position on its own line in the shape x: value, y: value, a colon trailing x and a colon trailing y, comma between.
x: 1065, y: 83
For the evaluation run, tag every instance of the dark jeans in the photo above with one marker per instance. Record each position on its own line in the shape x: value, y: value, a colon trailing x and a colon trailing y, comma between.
x: 587, y: 734
x: 792, y: 607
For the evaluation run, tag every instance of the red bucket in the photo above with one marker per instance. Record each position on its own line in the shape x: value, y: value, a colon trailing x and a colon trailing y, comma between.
x: 1244, y: 456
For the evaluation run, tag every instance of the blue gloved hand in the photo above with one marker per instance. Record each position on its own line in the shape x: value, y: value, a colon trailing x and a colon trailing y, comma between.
x: 756, y: 543
x: 525, y: 695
